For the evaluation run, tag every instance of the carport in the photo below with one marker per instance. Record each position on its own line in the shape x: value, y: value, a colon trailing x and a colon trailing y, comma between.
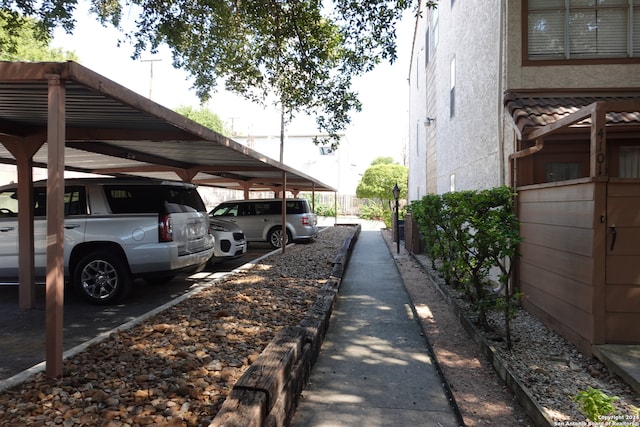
x: 63, y: 116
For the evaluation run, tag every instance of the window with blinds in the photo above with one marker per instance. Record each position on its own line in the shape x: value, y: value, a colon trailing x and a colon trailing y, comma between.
x: 629, y: 162
x: 583, y: 29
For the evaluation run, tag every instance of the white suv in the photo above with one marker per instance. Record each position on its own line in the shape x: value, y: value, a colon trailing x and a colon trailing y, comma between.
x: 115, y: 230
x: 261, y: 219
x: 229, y: 240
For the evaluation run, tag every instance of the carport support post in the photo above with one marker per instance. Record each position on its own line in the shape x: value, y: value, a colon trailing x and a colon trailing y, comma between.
x: 26, y: 274
x: 284, y: 185
x: 284, y: 212
x: 335, y: 208
x: 23, y: 149
x: 55, y: 227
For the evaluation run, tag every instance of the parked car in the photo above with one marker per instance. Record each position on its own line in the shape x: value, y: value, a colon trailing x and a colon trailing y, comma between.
x: 115, y: 230
x: 229, y: 240
x: 261, y: 219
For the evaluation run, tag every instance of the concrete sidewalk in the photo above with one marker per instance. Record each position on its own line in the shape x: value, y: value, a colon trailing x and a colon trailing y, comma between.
x: 374, y: 367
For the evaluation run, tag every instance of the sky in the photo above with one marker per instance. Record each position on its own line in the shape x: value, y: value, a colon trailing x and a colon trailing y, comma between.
x: 380, y: 129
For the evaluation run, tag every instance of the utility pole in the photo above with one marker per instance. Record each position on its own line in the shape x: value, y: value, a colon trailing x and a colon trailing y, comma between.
x: 233, y: 125
x: 150, y: 61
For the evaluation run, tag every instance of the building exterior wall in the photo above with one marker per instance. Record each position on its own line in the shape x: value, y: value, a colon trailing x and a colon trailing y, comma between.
x: 340, y: 169
x: 461, y: 148
x: 470, y: 149
x: 417, y: 146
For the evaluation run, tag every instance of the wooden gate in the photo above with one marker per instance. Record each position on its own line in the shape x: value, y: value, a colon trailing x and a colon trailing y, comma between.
x: 623, y: 262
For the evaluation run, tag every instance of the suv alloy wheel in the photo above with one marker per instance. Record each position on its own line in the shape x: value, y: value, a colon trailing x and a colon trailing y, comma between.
x: 102, y: 278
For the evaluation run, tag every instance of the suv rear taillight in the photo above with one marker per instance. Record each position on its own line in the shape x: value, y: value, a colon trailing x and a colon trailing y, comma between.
x: 165, y: 228
x: 305, y: 220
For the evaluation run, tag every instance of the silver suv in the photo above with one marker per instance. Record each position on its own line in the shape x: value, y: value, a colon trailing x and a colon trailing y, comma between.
x: 261, y: 219
x: 115, y: 230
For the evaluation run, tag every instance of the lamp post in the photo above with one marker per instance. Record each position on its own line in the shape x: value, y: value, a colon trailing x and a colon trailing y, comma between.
x: 396, y: 195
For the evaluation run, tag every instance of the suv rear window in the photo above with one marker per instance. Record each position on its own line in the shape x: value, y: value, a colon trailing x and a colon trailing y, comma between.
x: 125, y: 199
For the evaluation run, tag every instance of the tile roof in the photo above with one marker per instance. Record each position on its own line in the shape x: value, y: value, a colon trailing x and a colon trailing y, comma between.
x: 531, y: 111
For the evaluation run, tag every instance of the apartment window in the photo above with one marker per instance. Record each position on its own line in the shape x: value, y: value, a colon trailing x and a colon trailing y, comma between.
x: 629, y: 162
x: 562, y: 171
x: 583, y: 29
x: 452, y: 89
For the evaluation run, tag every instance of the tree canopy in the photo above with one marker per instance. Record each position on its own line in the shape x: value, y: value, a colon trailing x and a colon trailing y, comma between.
x: 383, y: 161
x: 378, y: 180
x: 300, y: 54
x: 205, y: 117
x: 22, y: 39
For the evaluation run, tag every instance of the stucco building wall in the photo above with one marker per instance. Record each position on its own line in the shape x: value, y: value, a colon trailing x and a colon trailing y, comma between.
x: 462, y: 146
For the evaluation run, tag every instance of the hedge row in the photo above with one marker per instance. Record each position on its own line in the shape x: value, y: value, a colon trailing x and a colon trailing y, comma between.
x: 472, y: 237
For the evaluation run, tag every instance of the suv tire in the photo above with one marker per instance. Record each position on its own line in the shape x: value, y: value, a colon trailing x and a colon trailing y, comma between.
x: 275, y: 237
x: 102, y: 278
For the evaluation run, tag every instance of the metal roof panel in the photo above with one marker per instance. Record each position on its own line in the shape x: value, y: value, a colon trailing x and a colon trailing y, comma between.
x: 111, y: 129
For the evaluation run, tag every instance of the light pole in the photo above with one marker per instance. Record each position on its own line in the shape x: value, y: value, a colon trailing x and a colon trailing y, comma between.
x: 396, y: 195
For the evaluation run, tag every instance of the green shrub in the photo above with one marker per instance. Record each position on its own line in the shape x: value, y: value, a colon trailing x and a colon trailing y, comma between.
x: 375, y: 212
x: 321, y: 209
x: 325, y: 210
x: 469, y: 233
x: 595, y: 403
x: 387, y: 218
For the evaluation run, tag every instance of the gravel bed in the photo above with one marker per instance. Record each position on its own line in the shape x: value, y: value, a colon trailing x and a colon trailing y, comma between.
x: 552, y: 368
x: 177, y: 367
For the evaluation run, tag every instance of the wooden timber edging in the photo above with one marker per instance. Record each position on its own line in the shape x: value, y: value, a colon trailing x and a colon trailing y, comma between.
x: 267, y: 393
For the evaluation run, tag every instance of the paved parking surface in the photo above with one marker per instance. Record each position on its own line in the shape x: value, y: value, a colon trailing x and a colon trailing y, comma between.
x: 22, y: 332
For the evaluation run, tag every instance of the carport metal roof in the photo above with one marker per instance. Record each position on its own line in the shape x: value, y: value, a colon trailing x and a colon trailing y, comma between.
x: 115, y: 131
x: 63, y: 115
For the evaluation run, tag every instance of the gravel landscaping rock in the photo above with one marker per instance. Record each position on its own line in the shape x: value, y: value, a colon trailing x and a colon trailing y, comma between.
x: 176, y: 368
